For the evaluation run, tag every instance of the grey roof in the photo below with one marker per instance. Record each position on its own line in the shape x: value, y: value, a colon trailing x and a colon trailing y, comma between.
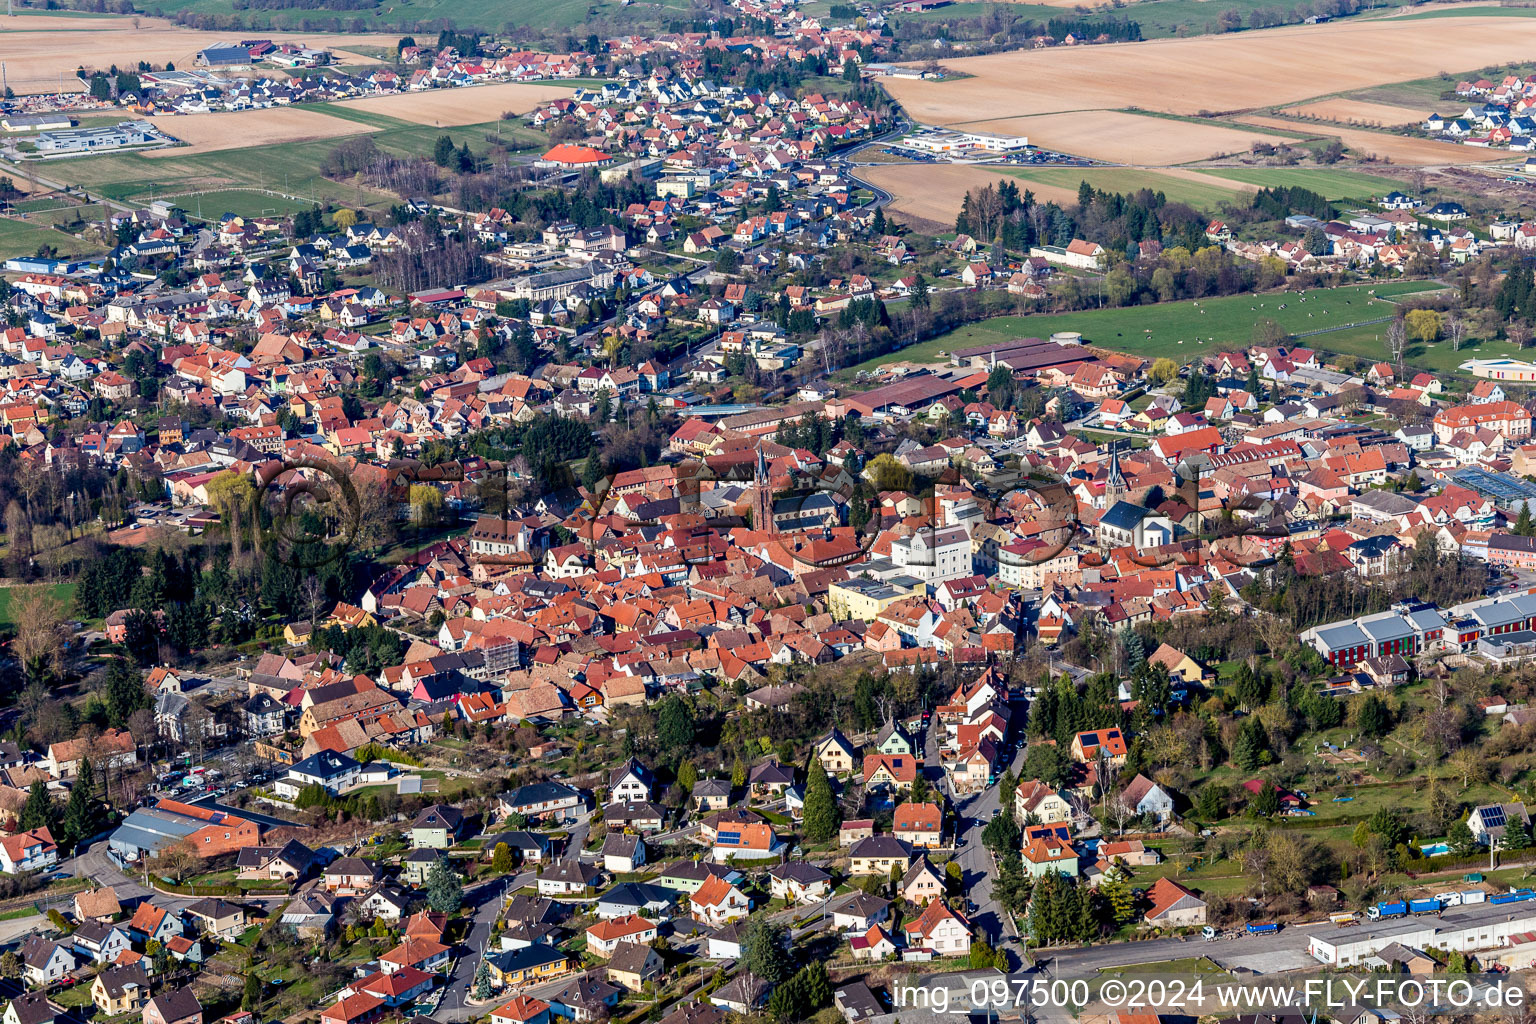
x: 1342, y: 636
x: 34, y: 1008
x: 1386, y: 626
x: 327, y: 764
x: 1123, y: 515
x: 151, y: 829
x: 177, y: 1005
x: 638, y: 894
x: 881, y: 846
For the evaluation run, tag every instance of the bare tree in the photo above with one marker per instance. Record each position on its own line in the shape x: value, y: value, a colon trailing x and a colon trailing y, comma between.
x: 1455, y: 329
x: 39, y: 618
x: 1519, y: 332
x: 1397, y: 342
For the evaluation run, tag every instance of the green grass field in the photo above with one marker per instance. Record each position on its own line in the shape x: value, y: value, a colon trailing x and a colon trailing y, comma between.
x: 291, y: 167
x: 65, y: 592
x: 19, y: 237
x: 1331, y: 183
x: 241, y: 203
x: 1184, y: 331
x: 1125, y: 179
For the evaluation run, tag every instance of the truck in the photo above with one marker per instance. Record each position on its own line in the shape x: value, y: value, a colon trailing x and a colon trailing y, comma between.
x: 1385, y: 909
x: 1209, y: 933
x: 1343, y: 918
x: 1267, y: 928
x: 1424, y: 906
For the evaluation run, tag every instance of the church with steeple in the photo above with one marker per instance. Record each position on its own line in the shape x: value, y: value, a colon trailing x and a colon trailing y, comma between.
x: 1115, y: 488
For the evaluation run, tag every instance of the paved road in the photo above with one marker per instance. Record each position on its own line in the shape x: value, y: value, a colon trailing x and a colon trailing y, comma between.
x: 486, y: 898
x: 975, y: 860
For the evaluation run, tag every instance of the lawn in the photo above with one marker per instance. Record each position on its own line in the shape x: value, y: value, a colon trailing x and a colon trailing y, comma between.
x: 1330, y: 183
x: 64, y: 592
x: 18, y: 237
x: 1201, y: 195
x: 1182, y: 330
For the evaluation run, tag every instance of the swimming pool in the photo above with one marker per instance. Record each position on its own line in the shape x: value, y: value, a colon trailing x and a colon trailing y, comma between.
x: 1435, y: 849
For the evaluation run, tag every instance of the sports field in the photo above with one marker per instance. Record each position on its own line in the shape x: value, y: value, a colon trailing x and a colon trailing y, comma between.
x: 1186, y: 330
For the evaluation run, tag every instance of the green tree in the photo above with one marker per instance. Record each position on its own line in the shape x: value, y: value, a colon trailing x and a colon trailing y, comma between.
x: 1211, y: 804
x: 1002, y: 832
x: 1373, y: 717
x: 1460, y: 839
x: 483, y: 981
x: 442, y: 151
x: 1517, y: 836
x: 763, y: 951
x: 816, y: 986
x: 918, y: 295
x: 1523, y: 525
x: 822, y: 816
x: 674, y: 726
x: 738, y: 774
x: 687, y: 777
x: 445, y: 894
x: 1251, y: 749
x: 38, y: 811
x: 80, y: 812
x: 1045, y: 762
x: 501, y: 859
x: 10, y: 964
x: 1266, y: 802
x: 251, y: 997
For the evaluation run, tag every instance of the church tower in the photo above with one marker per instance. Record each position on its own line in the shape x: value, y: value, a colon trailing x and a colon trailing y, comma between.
x: 762, y: 493
x: 1115, y: 487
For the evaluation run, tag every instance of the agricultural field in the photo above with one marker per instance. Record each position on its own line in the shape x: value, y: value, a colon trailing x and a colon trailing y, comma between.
x: 1326, y: 181
x: 1121, y: 136
x: 1184, y: 331
x: 932, y: 192
x: 1358, y: 112
x: 1194, y: 76
x: 1398, y: 149
x: 454, y: 107
x: 39, y: 49
x: 484, y: 15
x: 242, y: 129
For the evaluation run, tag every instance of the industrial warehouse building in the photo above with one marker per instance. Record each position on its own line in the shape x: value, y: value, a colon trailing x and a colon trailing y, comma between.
x: 96, y: 140
x: 1485, y: 927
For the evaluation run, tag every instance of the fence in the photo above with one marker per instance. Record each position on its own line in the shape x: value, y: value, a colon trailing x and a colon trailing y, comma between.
x: 1344, y: 327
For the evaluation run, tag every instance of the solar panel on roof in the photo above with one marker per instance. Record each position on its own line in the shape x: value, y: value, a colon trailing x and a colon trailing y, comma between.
x: 1493, y: 817
x: 730, y: 837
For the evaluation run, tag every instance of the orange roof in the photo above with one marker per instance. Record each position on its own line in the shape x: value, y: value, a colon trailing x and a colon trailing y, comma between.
x: 565, y: 153
x: 620, y: 928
